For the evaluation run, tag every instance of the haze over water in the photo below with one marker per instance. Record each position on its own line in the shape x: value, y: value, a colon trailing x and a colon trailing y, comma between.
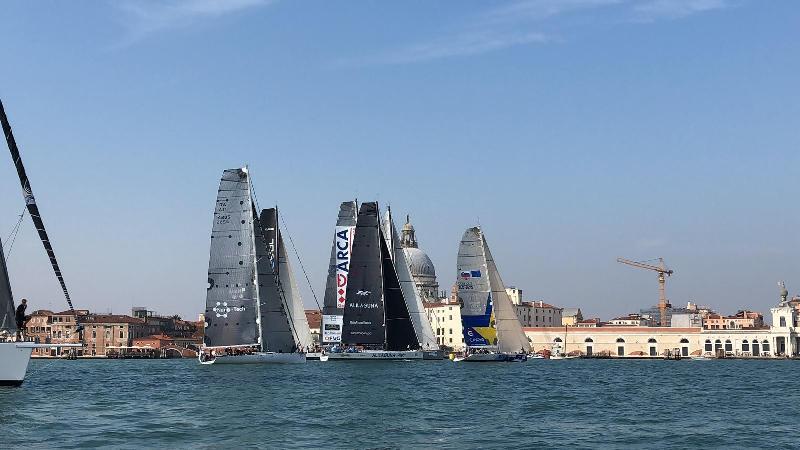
x: 577, y: 403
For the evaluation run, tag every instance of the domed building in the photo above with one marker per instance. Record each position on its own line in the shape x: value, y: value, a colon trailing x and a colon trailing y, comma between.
x: 422, y: 270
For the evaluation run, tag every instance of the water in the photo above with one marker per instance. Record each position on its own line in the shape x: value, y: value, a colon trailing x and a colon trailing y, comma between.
x: 574, y: 403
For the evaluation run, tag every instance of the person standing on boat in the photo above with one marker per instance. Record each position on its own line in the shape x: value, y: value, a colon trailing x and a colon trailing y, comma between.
x: 20, y: 317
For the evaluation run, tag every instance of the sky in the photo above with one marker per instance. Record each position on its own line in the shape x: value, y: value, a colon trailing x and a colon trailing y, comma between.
x: 573, y: 131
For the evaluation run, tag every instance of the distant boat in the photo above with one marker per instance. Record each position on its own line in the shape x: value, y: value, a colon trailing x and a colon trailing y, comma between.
x: 253, y: 312
x: 15, y: 354
x: 377, y: 322
x: 492, y: 331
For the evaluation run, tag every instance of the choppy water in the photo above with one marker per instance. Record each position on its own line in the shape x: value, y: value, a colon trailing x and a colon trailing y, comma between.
x: 575, y: 403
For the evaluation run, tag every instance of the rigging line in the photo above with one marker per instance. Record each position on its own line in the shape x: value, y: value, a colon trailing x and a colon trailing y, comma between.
x: 12, y: 237
x: 294, y: 249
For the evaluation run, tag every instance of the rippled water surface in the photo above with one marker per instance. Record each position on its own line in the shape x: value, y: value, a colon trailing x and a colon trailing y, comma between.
x: 574, y: 403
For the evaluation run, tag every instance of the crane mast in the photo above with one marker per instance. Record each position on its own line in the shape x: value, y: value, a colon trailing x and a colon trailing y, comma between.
x: 663, y: 272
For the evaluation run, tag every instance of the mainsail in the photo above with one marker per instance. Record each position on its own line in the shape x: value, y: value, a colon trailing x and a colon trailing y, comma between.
x: 276, y: 327
x: 338, y: 274
x: 8, y: 323
x: 474, y: 292
x: 33, y: 209
x: 510, y: 336
x: 341, y: 250
x: 413, y: 301
x: 364, y: 309
x: 232, y: 294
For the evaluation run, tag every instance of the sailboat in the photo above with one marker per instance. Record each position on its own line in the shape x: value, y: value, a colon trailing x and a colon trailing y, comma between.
x: 492, y: 331
x: 376, y: 322
x: 253, y: 314
x: 14, y: 353
x: 338, y: 275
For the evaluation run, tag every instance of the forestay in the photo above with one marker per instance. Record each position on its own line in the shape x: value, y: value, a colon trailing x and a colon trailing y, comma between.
x: 231, y: 298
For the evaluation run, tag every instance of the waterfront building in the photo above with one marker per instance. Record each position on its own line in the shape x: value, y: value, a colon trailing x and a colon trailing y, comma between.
x: 571, y: 316
x: 742, y: 319
x: 779, y: 340
x: 104, y: 332
x: 514, y: 294
x: 314, y: 319
x: 422, y: 270
x: 631, y: 320
x: 538, y: 314
x: 445, y: 319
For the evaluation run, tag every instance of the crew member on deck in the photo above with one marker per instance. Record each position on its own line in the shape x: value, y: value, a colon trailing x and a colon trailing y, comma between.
x: 20, y: 316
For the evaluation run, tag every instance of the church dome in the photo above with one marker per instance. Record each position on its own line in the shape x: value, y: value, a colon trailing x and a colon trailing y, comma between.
x: 419, y: 263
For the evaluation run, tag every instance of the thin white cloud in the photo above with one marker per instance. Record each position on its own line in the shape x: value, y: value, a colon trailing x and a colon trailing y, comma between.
x: 674, y: 9
x: 144, y: 18
x: 527, y: 22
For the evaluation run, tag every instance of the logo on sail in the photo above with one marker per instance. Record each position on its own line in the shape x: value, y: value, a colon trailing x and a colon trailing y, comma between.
x: 467, y: 274
x: 363, y: 293
x: 344, y: 237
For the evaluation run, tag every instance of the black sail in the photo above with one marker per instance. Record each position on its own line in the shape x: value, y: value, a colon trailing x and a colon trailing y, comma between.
x: 340, y: 259
x: 231, y: 295
x: 363, y: 311
x: 30, y: 203
x: 8, y: 323
x: 276, y: 327
x: 400, y: 333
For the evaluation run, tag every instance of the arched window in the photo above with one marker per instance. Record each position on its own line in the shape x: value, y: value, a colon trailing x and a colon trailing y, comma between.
x: 708, y: 346
x: 588, y: 340
x: 728, y: 345
x: 765, y: 346
x: 783, y: 321
x: 558, y: 339
x: 717, y: 345
x: 745, y: 346
x: 620, y: 340
x: 620, y: 347
x: 651, y: 341
x: 589, y: 346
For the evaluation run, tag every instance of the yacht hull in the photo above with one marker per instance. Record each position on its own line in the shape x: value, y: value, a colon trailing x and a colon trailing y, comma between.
x: 258, y: 358
x: 492, y: 357
x: 14, y: 357
x: 375, y: 355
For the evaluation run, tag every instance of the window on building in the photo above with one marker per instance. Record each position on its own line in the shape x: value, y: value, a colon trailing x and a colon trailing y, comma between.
x: 728, y: 345
x: 755, y: 348
x: 94, y: 333
x: 745, y: 346
x: 121, y: 334
x: 717, y: 345
x: 783, y: 321
x: 620, y: 340
x: 621, y: 350
x: 558, y: 339
x: 708, y: 347
x: 765, y: 346
x: 451, y: 331
x: 651, y: 341
x: 653, y: 351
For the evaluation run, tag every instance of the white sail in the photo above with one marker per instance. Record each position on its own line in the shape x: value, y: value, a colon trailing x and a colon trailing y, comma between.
x: 510, y: 336
x: 294, y: 302
x: 474, y: 292
x: 416, y: 311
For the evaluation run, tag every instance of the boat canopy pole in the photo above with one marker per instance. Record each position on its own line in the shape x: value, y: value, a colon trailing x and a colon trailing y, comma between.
x: 33, y: 210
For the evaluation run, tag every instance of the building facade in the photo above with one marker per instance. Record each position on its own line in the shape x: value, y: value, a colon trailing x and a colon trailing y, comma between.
x: 538, y: 314
x: 514, y: 294
x: 445, y: 319
x: 571, y: 316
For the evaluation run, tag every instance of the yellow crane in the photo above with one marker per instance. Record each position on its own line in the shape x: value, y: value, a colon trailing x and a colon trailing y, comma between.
x: 662, y: 270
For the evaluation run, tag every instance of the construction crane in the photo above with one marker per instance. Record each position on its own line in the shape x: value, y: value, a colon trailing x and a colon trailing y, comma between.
x: 662, y: 270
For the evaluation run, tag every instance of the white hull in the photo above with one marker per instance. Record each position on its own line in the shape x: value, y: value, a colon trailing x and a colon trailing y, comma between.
x: 259, y: 358
x: 14, y: 357
x: 375, y: 355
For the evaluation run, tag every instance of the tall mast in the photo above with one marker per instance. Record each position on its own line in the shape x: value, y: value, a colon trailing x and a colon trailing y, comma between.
x: 254, y: 257
x: 33, y: 209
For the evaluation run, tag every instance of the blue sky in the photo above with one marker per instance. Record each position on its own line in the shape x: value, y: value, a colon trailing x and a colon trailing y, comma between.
x: 574, y: 131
